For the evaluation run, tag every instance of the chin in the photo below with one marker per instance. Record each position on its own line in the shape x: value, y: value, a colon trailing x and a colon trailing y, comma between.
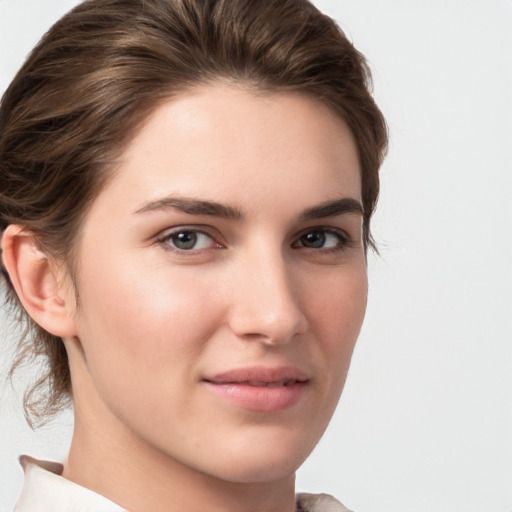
x: 245, y: 471
x: 263, y: 460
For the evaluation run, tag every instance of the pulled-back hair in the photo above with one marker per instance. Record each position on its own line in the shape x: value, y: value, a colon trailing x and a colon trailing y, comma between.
x: 100, y: 71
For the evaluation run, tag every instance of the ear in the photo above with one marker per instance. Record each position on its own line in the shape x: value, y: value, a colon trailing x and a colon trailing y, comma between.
x: 38, y: 284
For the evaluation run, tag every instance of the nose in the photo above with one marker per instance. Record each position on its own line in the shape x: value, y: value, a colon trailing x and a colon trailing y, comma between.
x: 266, y: 301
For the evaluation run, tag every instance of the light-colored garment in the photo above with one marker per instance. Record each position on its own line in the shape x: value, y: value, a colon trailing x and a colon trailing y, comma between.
x: 45, y: 490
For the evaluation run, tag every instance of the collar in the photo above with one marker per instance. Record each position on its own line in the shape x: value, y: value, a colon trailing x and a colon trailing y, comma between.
x: 319, y: 503
x: 45, y: 490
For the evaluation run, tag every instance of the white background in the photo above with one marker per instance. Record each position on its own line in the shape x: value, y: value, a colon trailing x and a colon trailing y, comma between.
x: 425, y: 423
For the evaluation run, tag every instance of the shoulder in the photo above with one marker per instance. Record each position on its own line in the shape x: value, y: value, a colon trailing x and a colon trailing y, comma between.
x: 319, y: 503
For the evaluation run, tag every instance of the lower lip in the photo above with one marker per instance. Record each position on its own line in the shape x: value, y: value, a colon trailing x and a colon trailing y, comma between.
x: 260, y: 398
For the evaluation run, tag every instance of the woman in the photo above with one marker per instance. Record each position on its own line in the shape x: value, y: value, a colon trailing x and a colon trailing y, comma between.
x: 186, y: 195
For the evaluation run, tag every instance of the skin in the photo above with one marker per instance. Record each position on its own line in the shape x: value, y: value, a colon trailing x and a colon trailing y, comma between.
x: 155, y: 321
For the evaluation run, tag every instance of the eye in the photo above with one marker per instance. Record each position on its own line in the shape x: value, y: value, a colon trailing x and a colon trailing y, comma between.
x: 322, y: 238
x: 188, y: 240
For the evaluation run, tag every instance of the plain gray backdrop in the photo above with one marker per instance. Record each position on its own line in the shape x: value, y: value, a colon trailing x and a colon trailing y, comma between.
x: 425, y: 422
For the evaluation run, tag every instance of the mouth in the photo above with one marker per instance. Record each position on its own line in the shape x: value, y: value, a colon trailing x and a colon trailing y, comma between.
x: 260, y: 389
x: 288, y: 382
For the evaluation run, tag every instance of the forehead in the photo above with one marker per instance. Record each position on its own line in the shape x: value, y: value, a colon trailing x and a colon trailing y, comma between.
x: 230, y: 143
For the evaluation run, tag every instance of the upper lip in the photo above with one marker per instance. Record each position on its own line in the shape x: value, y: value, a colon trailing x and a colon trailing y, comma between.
x: 262, y: 375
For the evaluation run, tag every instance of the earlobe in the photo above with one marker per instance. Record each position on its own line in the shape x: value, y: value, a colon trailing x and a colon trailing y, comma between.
x: 37, y: 283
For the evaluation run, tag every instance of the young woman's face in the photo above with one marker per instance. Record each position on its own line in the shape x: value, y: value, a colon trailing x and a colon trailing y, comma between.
x: 222, y: 284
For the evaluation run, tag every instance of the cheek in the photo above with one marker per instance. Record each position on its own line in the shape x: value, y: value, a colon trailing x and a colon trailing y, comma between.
x: 336, y: 316
x: 144, y: 320
x: 142, y: 339
x: 339, y: 304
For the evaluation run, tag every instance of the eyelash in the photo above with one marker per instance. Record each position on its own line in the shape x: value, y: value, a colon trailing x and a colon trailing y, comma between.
x: 343, y: 240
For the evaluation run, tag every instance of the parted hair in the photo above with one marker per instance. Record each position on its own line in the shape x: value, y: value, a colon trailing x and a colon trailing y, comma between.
x: 101, y: 70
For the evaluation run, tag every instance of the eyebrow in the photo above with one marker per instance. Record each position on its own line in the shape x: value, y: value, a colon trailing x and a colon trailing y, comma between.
x: 332, y: 208
x: 193, y: 206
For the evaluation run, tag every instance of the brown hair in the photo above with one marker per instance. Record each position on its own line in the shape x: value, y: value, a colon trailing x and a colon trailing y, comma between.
x: 100, y: 71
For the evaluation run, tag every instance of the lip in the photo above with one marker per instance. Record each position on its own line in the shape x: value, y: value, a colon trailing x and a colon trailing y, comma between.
x: 263, y: 389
